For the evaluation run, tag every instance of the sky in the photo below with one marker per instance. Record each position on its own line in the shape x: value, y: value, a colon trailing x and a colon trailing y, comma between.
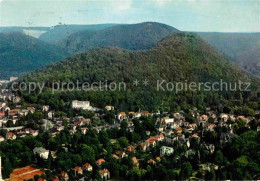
x: 185, y: 15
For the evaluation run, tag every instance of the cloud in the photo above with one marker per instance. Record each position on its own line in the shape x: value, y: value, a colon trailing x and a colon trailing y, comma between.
x: 120, y: 5
x: 161, y: 2
x: 165, y: 2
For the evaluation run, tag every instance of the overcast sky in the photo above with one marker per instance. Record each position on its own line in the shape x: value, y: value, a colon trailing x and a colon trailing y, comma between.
x: 189, y: 15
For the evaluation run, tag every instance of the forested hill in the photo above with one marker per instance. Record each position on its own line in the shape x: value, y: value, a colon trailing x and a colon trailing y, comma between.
x: 178, y: 57
x: 242, y: 48
x: 133, y: 37
x: 60, y: 32
x: 20, y: 54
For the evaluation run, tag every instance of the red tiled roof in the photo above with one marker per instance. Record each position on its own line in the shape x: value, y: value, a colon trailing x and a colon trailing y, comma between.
x: 130, y: 148
x: 145, y: 112
x: 10, y: 134
x: 87, y: 165
x: 100, y: 161
x: 77, y: 169
x: 115, y: 156
x: 102, y: 172
x: 134, y: 160
x: 122, y: 113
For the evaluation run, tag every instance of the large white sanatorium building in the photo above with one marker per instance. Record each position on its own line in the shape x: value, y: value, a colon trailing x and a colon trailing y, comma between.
x: 85, y: 105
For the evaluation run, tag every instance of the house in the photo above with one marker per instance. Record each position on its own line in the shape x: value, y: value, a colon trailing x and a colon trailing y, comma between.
x: 178, y: 130
x: 21, y: 133
x: 27, y: 130
x: 137, y: 115
x: 84, y: 130
x: 165, y: 150
x: 135, y: 161
x: 131, y: 114
x: 42, y: 152
x: 1, y: 139
x: 145, y: 113
x: 168, y: 120
x: 34, y: 132
x: 160, y: 129
x: 16, y: 100
x: 85, y: 105
x: 223, y: 117
x: 72, y: 132
x: 154, y: 139
x: 130, y: 149
x: 104, y: 174
x: 203, y: 117
x: 211, y: 127
x: 194, y: 136
x: 87, y: 167
x: 50, y: 115
x: 60, y: 128
x: 78, y: 170
x: 115, y: 156
x: 2, y: 104
x: 109, y: 108
x: 13, y: 112
x: 121, y: 154
x: 178, y: 115
x: 151, y: 161
x: 31, y: 109
x: 12, y: 79
x: 143, y: 146
x: 64, y: 176
x: 100, y: 161
x: 10, y: 136
x: 6, y: 108
x: 23, y: 112
x: 45, y: 108
x: 121, y: 116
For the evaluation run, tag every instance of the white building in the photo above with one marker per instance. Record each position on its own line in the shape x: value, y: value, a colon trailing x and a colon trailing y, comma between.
x: 2, y: 138
x: 85, y: 105
x: 13, y: 79
x: 166, y: 150
x: 42, y: 152
x: 168, y: 120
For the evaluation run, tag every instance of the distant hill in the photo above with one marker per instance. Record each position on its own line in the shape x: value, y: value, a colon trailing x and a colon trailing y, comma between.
x: 60, y: 32
x: 133, y: 37
x: 179, y: 56
x: 242, y: 48
x: 20, y: 54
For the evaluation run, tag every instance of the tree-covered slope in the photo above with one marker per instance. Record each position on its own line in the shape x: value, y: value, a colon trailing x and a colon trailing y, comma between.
x: 178, y: 57
x: 60, y: 32
x: 20, y: 54
x: 242, y: 48
x: 133, y: 37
